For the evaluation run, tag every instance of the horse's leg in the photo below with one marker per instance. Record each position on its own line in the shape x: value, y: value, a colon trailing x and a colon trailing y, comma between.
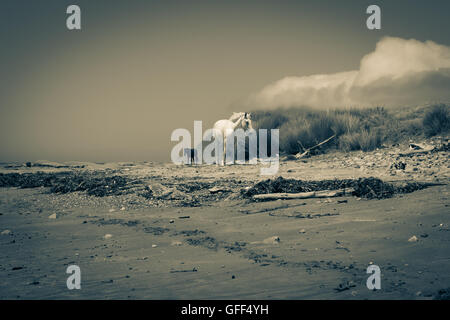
x: 216, y: 154
x: 224, y: 151
x: 186, y: 157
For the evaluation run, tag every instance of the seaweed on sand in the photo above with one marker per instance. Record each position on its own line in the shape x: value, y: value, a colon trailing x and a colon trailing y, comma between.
x: 370, y: 188
x: 96, y: 184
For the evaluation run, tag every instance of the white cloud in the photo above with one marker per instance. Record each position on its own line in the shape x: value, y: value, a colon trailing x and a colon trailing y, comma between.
x: 398, y: 72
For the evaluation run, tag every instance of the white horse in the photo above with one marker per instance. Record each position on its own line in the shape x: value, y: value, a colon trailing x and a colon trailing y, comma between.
x: 236, y: 116
x: 226, y: 127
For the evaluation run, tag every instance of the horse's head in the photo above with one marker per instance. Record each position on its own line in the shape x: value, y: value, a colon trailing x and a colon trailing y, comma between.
x: 247, y: 121
x: 236, y: 116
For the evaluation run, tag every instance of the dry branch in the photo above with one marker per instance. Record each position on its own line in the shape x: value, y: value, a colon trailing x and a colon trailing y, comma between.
x: 299, y: 156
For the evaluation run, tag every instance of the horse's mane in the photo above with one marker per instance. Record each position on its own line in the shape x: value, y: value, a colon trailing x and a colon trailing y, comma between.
x: 236, y: 116
x: 244, y: 118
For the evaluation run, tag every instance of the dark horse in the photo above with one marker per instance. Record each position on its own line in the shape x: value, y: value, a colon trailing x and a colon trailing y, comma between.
x: 191, y: 155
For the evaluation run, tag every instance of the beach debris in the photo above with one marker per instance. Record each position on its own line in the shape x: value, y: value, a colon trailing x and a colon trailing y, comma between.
x: 122, y: 222
x: 443, y: 147
x: 107, y: 236
x: 415, y: 148
x: 218, y: 189
x: 52, y: 216
x: 346, y: 285
x: 154, y: 245
x: 302, y: 231
x: 300, y: 215
x: 236, y: 246
x: 157, y: 231
x: 94, y: 183
x: 272, y: 240
x: 176, y: 243
x: 304, y: 195
x: 157, y: 190
x: 207, y: 242
x: 413, y: 239
x: 184, y: 217
x: 316, y: 215
x: 171, y: 221
x: 111, y: 210
x: 5, y: 232
x: 188, y: 270
x: 107, y: 281
x: 190, y: 233
x: 369, y: 188
x: 161, y: 192
x: 399, y: 165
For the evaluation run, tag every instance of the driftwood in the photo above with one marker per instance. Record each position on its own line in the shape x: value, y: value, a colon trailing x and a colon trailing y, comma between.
x: 299, y: 215
x: 306, y: 152
x: 304, y: 195
x: 218, y: 189
x: 416, y: 149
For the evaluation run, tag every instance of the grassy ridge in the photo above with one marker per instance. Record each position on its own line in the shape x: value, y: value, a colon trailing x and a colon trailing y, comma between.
x: 356, y: 129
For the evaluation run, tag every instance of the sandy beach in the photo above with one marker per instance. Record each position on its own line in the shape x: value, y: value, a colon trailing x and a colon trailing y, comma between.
x: 187, y: 232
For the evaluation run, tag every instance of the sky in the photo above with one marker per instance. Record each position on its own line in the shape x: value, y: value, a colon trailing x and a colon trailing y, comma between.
x: 139, y: 69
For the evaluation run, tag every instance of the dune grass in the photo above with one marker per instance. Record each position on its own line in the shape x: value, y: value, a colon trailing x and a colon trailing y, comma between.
x: 355, y: 128
x: 437, y: 120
